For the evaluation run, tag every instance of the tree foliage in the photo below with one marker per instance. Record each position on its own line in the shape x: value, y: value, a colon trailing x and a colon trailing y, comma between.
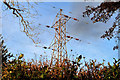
x: 103, y: 13
x: 4, y: 51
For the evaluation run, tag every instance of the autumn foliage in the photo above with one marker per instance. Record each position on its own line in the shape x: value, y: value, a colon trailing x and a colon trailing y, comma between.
x: 16, y: 68
x: 19, y: 69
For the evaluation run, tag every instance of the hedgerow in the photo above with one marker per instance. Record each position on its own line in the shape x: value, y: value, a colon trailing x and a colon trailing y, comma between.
x: 19, y: 69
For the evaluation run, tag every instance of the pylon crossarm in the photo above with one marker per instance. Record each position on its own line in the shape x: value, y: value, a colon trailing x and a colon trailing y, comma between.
x: 54, y: 24
x: 58, y: 21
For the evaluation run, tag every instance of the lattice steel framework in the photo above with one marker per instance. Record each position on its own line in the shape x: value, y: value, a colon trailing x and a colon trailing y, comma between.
x: 59, y: 43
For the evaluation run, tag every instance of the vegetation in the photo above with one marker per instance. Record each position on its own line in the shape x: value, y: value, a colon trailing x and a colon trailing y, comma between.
x: 19, y: 69
x: 103, y: 13
x: 16, y: 68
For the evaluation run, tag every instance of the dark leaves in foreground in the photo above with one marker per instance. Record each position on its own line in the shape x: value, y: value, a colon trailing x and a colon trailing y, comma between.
x: 103, y: 13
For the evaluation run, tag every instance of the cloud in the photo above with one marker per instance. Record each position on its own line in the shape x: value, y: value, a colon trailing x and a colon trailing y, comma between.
x: 85, y: 27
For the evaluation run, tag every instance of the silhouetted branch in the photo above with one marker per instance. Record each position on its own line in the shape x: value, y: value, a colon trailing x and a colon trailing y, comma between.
x: 27, y: 28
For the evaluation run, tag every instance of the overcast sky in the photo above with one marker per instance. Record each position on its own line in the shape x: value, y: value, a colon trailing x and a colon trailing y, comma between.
x: 18, y: 42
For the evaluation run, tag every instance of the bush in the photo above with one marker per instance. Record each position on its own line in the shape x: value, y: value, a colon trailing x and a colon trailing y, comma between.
x: 19, y: 69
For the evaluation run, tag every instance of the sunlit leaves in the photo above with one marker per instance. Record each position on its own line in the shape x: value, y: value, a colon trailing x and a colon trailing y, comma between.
x: 21, y: 56
x: 67, y: 70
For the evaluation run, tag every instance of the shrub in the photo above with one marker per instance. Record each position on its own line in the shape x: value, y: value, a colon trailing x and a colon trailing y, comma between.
x: 19, y: 69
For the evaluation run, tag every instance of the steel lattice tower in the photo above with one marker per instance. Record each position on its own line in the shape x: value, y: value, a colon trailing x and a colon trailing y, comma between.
x: 59, y: 43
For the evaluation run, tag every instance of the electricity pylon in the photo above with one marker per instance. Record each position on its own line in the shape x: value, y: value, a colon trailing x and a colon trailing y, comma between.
x: 59, y: 44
